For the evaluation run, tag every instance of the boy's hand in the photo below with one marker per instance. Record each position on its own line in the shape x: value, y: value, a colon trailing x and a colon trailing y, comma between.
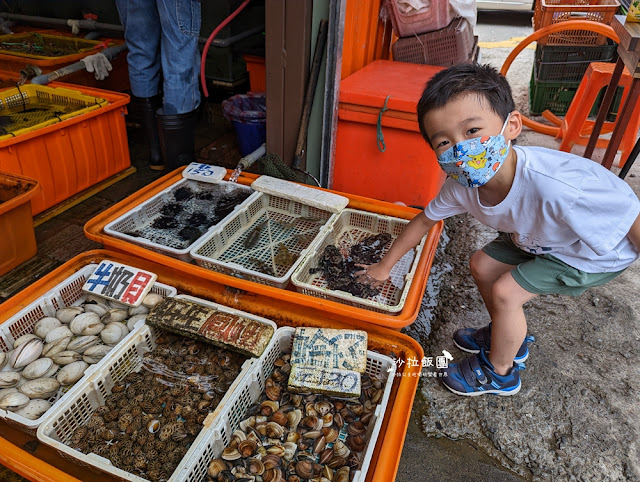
x: 374, y: 275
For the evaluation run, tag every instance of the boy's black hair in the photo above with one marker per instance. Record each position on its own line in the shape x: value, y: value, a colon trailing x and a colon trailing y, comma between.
x: 448, y: 84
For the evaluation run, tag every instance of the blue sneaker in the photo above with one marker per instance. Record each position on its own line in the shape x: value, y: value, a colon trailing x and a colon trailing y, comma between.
x: 475, y: 376
x: 472, y: 340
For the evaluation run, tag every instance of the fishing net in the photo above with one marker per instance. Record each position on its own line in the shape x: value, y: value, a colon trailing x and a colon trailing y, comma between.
x: 272, y: 165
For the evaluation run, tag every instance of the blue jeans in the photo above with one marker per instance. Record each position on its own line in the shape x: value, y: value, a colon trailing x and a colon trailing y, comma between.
x: 162, y: 35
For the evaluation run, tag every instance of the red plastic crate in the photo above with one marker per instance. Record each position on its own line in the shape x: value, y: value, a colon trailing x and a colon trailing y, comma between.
x: 436, y: 14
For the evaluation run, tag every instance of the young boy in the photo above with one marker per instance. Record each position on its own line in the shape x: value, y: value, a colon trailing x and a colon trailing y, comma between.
x: 565, y: 223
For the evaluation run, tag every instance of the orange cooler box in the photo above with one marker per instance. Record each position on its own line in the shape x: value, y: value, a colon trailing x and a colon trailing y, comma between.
x: 407, y: 170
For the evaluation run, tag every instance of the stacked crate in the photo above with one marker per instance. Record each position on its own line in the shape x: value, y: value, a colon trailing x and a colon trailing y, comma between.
x: 563, y: 58
x: 431, y: 35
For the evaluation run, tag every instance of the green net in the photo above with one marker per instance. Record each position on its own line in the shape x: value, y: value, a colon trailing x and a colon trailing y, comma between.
x: 272, y: 165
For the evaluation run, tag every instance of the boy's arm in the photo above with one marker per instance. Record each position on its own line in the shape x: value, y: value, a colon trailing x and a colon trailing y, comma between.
x: 409, y: 238
x: 634, y: 233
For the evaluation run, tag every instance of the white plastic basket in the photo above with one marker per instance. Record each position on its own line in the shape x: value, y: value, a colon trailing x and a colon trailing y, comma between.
x: 234, y: 411
x: 351, y: 227
x: 59, y: 426
x: 141, y: 217
x: 67, y: 293
x: 223, y: 249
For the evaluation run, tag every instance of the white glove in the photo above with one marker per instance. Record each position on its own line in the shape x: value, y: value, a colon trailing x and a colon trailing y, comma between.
x: 99, y: 64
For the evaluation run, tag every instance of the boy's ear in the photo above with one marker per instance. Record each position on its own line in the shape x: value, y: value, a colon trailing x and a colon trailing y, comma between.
x: 514, y: 126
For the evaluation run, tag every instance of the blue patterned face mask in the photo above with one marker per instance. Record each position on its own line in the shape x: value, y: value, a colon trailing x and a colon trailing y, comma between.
x: 474, y: 161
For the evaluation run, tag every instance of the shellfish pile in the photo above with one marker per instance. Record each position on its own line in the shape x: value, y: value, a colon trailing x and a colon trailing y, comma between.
x: 152, y: 417
x: 60, y: 349
x: 290, y: 437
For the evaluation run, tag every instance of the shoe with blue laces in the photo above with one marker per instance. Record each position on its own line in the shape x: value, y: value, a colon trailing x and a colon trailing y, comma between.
x: 475, y: 376
x: 472, y: 340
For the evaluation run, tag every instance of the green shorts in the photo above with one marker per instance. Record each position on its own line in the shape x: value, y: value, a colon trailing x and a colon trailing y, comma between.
x: 543, y: 274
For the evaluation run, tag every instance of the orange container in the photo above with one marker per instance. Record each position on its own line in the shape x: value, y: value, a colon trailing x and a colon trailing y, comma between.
x: 257, y: 73
x: 386, y: 457
x: 68, y: 157
x: 243, y: 291
x: 16, y: 221
x: 407, y: 170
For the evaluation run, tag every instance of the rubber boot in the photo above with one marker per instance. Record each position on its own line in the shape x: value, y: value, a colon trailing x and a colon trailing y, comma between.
x: 147, y: 107
x: 177, y: 138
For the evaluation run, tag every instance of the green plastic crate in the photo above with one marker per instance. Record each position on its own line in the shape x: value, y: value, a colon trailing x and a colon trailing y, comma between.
x: 568, y: 63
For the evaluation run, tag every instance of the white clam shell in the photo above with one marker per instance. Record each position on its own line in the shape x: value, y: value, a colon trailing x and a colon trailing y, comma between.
x: 37, y: 368
x: 96, y: 353
x: 72, y: 372
x: 91, y: 298
x: 138, y: 310
x: 45, y: 325
x: 51, y: 372
x: 34, y: 409
x: 14, y: 401
x: 56, y: 346
x: 113, y: 333
x: 80, y: 322
x: 9, y: 379
x: 65, y: 315
x: 40, y: 387
x: 94, y: 329
x: 58, y: 333
x: 81, y: 343
x: 116, y: 305
x: 133, y: 321
x: 6, y: 391
x: 26, y: 353
x: 99, y: 309
x: 23, y: 339
x: 3, y: 358
x: 21, y: 382
x: 152, y: 299
x: 66, y: 357
x: 115, y: 315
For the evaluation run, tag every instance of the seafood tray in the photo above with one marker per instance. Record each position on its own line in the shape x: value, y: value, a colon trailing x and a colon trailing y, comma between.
x: 253, y: 386
x: 351, y: 227
x: 264, y: 241
x: 67, y: 293
x: 136, y: 226
x: 75, y: 411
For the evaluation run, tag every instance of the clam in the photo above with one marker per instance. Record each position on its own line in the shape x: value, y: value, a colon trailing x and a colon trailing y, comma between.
x: 93, y: 299
x: 216, y: 466
x: 311, y: 422
x: 51, y: 372
x: 34, y: 409
x: 323, y: 407
x: 57, y: 333
x: 293, y: 437
x: 271, y: 461
x: 356, y: 428
x: 327, y: 420
x: 356, y: 443
x: 23, y: 339
x: 113, y: 304
x: 115, y: 315
x: 94, y: 329
x: 247, y: 422
x: 255, y: 466
x: 80, y: 322
x: 133, y: 321
x: 279, y: 417
x: 268, y: 407
x: 40, y: 387
x: 3, y: 359
x: 325, y: 456
x: 98, y: 308
x: 153, y: 426
x: 307, y: 469
x: 81, y: 343
x: 66, y: 357
x: 26, y: 353
x: 330, y: 434
x: 294, y: 417
x: 113, y: 333
x: 37, y: 368
x: 342, y: 474
x: 273, y: 475
x: 290, y: 449
x: 339, y: 448
x: 65, y: 315
x: 247, y: 448
x: 138, y: 310
x: 230, y: 453
x: 336, y: 462
x: 319, y: 444
x: 45, y: 325
x: 72, y: 372
x: 151, y: 300
x: 95, y: 353
x: 55, y: 347
x: 13, y: 401
x: 6, y: 391
x: 274, y: 430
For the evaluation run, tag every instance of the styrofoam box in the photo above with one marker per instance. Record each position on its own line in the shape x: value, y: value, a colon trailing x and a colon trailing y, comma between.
x: 250, y: 390
x: 223, y: 249
x: 351, y: 227
x: 67, y: 293
x: 141, y: 217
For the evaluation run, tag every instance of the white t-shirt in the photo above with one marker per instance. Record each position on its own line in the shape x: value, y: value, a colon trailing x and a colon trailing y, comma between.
x: 559, y: 204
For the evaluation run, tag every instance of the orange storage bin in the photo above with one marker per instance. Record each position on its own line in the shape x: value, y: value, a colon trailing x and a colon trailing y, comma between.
x: 70, y: 156
x: 257, y: 73
x: 16, y: 221
x: 386, y: 456
x: 407, y: 170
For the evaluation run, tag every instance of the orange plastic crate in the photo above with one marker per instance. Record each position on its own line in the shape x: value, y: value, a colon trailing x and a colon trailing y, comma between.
x: 257, y: 72
x: 94, y: 230
x: 70, y: 156
x: 386, y: 456
x: 549, y: 12
x: 16, y: 221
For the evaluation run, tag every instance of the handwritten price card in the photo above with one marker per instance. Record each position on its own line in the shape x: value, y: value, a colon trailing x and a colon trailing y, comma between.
x: 120, y: 282
x: 204, y: 172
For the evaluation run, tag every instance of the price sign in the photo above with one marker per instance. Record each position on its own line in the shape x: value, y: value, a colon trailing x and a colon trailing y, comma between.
x: 204, y: 172
x: 120, y: 282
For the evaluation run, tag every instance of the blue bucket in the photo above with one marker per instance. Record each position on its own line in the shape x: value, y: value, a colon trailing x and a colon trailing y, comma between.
x: 248, y: 115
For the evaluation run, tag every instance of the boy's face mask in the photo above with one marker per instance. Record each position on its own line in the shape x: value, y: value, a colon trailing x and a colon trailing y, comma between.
x: 474, y: 161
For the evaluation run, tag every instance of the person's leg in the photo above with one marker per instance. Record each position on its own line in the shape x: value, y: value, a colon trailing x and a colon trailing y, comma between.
x: 485, y: 271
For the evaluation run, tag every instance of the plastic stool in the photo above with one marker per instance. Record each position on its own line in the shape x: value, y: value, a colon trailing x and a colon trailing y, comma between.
x: 576, y: 129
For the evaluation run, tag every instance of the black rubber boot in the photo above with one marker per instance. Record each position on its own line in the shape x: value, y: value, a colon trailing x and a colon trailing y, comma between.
x: 177, y: 138
x: 146, y: 109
